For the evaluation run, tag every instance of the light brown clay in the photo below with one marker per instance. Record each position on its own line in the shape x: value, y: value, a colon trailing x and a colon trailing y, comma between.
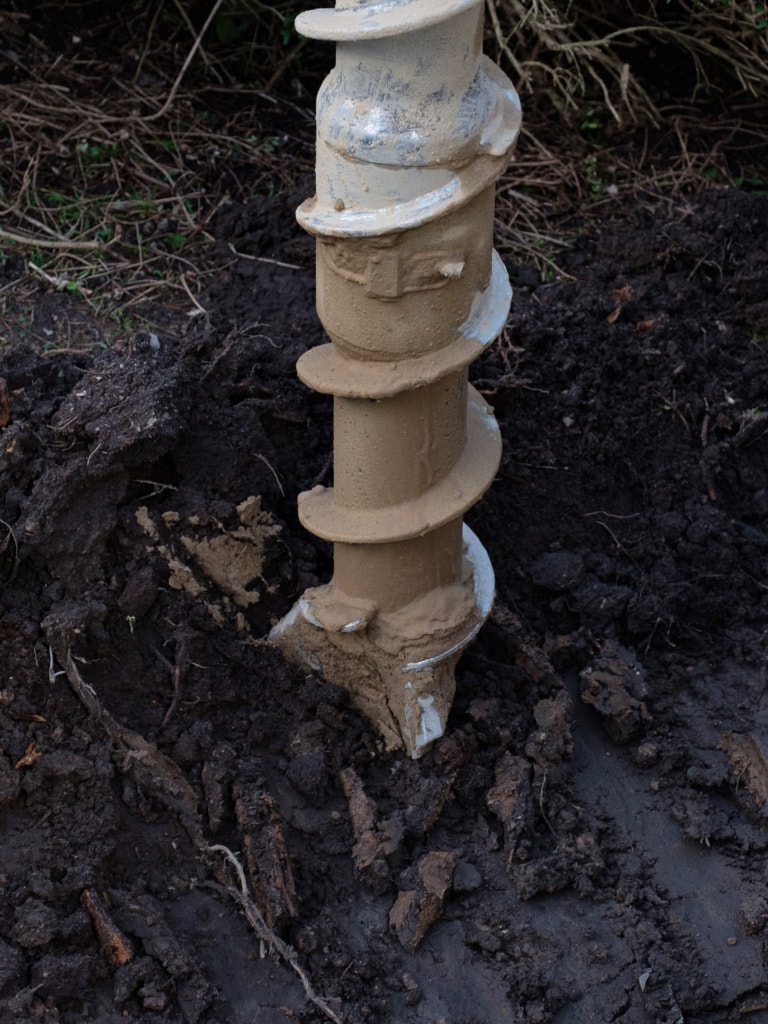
x: 414, y: 128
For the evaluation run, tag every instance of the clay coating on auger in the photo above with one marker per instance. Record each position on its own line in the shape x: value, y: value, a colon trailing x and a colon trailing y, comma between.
x: 414, y: 128
x: 356, y: 19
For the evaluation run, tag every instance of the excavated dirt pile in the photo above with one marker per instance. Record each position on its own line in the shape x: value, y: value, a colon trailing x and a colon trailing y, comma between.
x: 193, y: 831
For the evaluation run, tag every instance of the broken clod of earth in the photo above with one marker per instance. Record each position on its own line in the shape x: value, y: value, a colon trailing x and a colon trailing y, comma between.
x: 414, y: 128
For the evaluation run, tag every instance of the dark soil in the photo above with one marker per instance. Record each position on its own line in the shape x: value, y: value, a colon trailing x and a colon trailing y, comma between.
x: 588, y: 842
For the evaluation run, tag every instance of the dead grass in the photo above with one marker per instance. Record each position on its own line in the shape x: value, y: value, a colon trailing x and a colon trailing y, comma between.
x: 618, y: 56
x: 119, y: 147
x: 112, y: 179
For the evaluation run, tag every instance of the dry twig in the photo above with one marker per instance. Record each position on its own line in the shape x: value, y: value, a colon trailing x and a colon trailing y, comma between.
x: 265, y: 933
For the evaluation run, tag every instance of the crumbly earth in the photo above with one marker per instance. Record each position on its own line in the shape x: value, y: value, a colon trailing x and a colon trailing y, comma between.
x: 588, y: 842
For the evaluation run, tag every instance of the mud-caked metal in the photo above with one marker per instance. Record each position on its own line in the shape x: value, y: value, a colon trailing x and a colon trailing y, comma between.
x: 414, y: 126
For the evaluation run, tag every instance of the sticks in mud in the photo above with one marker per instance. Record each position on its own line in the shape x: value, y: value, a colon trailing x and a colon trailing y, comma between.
x: 163, y: 779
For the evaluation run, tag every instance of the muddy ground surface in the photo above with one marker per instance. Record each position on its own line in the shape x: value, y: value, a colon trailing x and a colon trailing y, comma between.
x: 588, y: 842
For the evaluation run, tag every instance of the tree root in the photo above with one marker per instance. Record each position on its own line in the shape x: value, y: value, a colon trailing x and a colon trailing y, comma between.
x: 164, y: 780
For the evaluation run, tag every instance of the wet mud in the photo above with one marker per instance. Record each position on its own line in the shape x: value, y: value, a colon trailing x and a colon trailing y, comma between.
x: 194, y: 831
